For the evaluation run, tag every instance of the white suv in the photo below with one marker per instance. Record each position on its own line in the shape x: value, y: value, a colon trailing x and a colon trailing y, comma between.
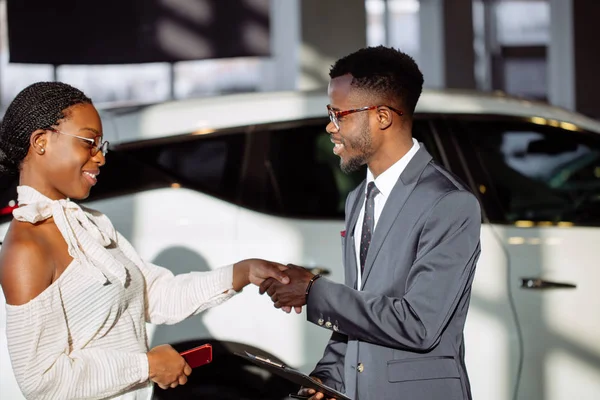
x: 197, y: 184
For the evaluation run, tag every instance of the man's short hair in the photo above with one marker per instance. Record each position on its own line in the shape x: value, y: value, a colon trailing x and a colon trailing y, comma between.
x: 383, y: 71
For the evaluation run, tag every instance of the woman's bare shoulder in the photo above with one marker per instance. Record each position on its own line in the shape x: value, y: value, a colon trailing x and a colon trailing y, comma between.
x: 25, y: 269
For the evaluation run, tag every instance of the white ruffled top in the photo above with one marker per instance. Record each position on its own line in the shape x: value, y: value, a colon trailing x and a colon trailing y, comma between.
x: 84, y: 337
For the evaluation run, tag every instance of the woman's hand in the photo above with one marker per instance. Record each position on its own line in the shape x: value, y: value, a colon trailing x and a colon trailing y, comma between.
x: 255, y: 271
x: 167, y: 367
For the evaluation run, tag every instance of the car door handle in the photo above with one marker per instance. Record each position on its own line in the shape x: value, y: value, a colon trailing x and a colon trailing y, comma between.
x: 538, y: 283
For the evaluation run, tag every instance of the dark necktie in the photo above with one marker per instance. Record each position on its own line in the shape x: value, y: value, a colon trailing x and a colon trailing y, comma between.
x: 368, y: 223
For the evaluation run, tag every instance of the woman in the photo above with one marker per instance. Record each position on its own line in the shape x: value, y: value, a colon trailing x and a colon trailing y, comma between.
x: 78, y: 295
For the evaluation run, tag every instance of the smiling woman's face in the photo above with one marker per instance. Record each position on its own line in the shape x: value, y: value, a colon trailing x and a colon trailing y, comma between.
x: 68, y: 166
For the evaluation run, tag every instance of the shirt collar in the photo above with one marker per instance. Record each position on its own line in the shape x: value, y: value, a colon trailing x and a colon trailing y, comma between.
x: 388, y: 178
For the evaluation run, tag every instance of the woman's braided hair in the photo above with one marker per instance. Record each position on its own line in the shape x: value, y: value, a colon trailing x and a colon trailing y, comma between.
x: 38, y: 106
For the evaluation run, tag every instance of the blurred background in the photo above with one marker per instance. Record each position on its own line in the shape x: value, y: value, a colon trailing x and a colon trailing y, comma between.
x: 215, y: 110
x: 152, y: 51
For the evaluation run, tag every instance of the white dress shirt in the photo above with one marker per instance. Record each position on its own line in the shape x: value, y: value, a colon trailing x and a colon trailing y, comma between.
x: 385, y: 183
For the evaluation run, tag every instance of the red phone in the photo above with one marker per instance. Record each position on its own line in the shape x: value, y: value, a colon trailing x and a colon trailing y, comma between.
x: 198, y: 355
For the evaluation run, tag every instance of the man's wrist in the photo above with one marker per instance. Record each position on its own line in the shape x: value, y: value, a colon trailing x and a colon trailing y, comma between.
x: 310, y: 284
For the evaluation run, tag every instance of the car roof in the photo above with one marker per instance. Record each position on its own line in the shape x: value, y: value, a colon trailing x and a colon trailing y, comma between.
x: 132, y: 123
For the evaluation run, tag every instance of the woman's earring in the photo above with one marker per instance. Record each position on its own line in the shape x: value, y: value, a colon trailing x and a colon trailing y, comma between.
x: 43, y: 150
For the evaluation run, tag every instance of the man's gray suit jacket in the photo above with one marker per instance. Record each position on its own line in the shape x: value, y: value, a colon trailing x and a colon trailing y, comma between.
x: 401, y: 335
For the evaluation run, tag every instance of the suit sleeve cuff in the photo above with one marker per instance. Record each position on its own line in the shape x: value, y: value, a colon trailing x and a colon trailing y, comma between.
x: 315, y: 309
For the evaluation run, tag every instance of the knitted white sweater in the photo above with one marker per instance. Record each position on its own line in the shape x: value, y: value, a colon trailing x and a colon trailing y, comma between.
x: 84, y: 337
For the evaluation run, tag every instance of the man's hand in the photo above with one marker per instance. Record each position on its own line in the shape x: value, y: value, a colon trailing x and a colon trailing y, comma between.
x: 256, y: 271
x: 167, y: 367
x: 288, y: 295
x: 314, y: 395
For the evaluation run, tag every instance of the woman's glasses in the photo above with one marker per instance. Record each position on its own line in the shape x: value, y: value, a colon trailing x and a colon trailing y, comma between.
x: 96, y: 143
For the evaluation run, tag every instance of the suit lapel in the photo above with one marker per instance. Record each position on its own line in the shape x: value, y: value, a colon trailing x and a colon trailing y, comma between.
x: 350, y: 248
x: 400, y: 193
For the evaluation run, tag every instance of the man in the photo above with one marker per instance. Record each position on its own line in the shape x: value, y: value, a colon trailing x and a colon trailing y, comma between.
x: 410, y: 246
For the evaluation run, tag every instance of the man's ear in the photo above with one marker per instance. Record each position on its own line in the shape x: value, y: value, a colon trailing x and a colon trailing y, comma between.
x: 384, y: 117
x: 39, y: 140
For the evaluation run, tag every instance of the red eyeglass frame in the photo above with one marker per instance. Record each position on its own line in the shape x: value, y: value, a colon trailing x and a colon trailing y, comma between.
x: 334, y: 115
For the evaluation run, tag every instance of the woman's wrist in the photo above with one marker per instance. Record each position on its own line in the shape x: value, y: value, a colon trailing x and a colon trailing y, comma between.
x: 241, y: 275
x: 149, y: 362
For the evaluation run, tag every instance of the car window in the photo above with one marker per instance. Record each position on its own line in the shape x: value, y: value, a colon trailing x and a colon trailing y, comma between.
x: 210, y: 164
x: 540, y: 173
x: 123, y: 174
x: 305, y: 178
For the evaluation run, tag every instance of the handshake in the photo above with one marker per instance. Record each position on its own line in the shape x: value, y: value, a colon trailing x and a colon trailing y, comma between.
x: 287, y: 285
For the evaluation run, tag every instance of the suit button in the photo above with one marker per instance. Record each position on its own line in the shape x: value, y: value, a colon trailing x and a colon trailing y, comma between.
x: 328, y: 325
x: 321, y: 321
x: 360, y: 367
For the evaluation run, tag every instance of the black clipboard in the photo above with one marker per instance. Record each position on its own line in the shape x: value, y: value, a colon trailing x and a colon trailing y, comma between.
x: 293, y: 375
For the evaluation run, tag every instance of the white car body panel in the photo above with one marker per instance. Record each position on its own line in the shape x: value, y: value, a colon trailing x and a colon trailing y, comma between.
x: 564, y: 361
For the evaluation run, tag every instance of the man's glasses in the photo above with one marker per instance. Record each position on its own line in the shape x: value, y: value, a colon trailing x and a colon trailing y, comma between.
x: 335, y: 115
x: 96, y: 144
